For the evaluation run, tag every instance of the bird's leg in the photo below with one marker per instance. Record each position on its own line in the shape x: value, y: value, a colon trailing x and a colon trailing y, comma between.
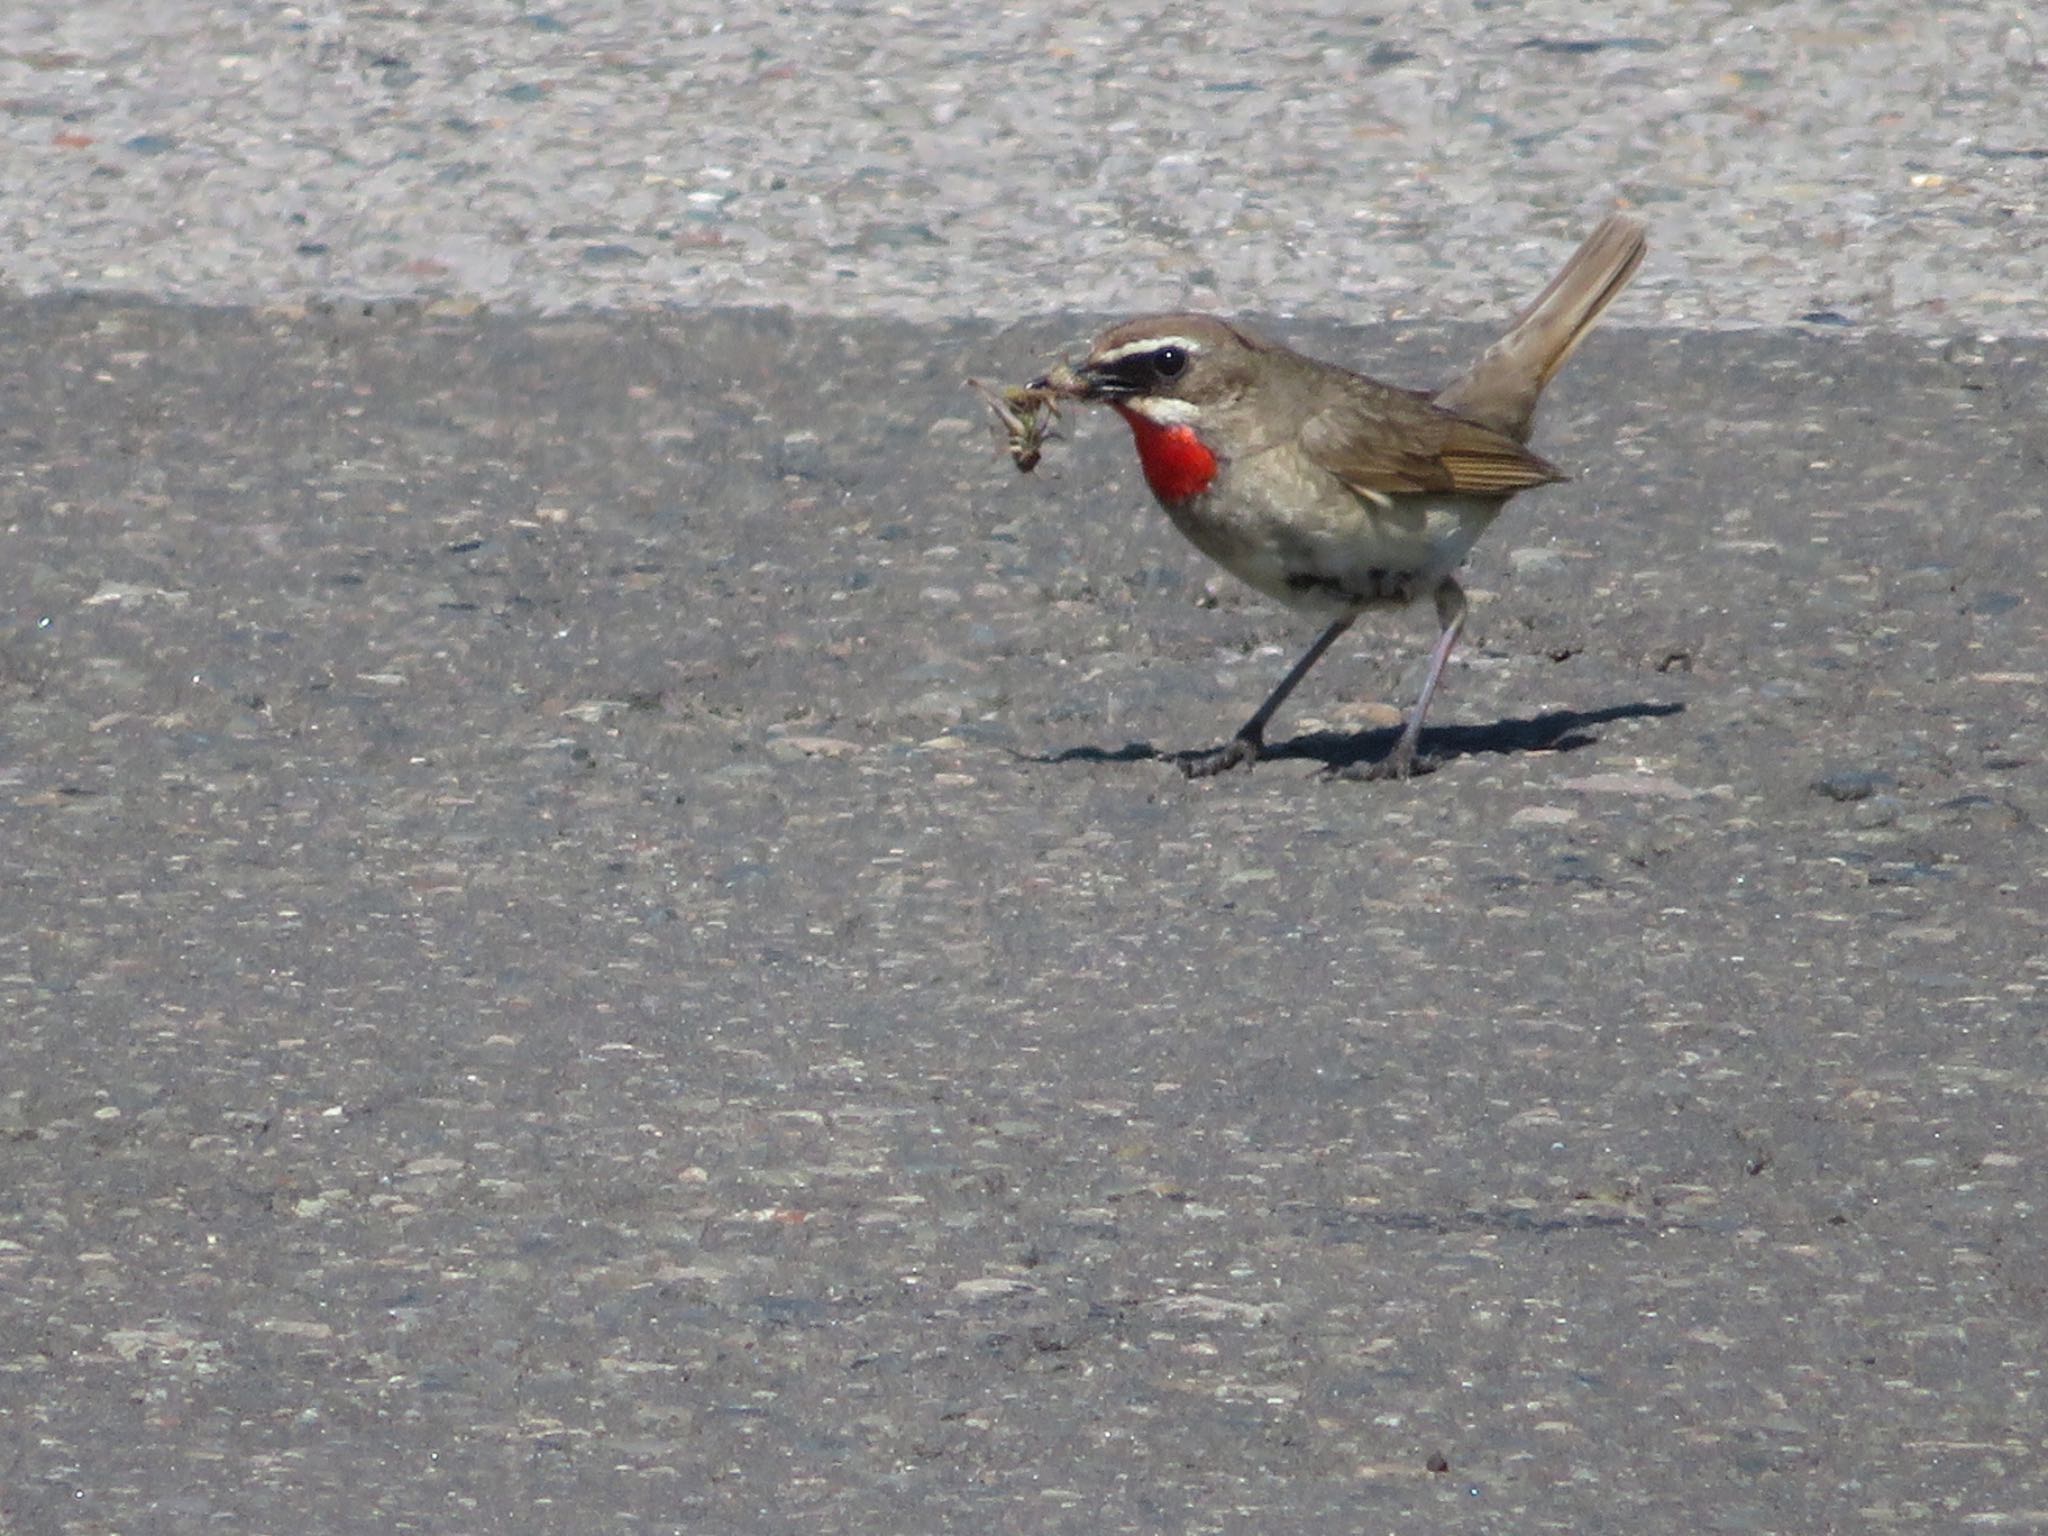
x: 1249, y: 744
x: 1403, y: 762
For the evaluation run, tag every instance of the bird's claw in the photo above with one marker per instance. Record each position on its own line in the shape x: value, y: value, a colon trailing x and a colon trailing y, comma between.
x: 1395, y: 765
x: 1238, y: 752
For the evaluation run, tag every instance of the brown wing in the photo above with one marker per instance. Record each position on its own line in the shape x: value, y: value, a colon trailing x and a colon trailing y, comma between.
x: 1383, y: 441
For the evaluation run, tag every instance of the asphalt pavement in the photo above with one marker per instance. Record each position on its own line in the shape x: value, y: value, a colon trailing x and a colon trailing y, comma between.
x: 603, y: 935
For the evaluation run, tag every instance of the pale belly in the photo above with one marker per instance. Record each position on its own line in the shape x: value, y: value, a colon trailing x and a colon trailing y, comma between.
x: 1328, y: 550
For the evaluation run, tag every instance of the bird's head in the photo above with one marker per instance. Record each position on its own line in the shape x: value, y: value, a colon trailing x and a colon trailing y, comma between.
x: 1176, y: 380
x: 1170, y: 369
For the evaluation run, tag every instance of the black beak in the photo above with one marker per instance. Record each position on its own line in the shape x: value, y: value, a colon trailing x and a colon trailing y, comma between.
x: 1088, y: 381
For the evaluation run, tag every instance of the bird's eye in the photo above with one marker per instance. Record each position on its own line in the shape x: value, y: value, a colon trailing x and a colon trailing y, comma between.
x: 1170, y: 362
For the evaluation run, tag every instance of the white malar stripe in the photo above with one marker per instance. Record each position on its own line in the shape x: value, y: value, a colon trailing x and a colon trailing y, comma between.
x: 1164, y: 409
x: 1149, y: 344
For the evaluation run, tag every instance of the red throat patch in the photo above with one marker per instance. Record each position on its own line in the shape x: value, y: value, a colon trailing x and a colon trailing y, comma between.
x: 1177, y: 463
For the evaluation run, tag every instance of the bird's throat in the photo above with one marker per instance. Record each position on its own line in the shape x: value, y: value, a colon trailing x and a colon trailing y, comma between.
x: 1177, y: 464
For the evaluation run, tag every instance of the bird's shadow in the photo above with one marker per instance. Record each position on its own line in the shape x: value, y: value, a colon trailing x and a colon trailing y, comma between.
x: 1562, y: 730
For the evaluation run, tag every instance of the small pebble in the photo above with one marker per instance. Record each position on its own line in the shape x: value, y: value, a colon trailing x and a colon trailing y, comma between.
x: 1847, y: 784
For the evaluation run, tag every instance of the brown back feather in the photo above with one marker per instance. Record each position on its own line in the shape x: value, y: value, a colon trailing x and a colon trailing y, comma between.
x: 1389, y: 442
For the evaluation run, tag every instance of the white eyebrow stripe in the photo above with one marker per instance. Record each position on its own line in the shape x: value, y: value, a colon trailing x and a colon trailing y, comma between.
x: 1149, y: 344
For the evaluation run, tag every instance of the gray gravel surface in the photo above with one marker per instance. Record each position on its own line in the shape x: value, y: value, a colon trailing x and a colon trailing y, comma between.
x: 596, y: 940
x: 1872, y: 162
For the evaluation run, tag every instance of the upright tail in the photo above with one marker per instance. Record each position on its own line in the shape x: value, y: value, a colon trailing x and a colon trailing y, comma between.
x: 1501, y: 389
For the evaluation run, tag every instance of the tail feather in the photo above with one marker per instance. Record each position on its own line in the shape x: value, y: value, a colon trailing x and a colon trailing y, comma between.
x: 1501, y: 389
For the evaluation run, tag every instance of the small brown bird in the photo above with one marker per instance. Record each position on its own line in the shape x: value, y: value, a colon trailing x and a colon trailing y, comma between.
x: 1332, y: 492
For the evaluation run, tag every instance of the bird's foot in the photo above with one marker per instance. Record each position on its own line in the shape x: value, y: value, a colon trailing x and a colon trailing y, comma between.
x: 1238, y: 752
x: 1397, y: 764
